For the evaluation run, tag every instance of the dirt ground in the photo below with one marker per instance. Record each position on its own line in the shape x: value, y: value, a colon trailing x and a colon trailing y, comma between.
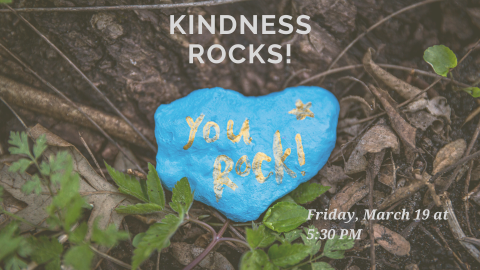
x: 132, y: 58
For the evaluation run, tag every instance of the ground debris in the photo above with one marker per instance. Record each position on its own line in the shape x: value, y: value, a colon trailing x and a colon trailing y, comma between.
x: 448, y: 155
x: 185, y: 253
x: 391, y: 241
x: 375, y: 140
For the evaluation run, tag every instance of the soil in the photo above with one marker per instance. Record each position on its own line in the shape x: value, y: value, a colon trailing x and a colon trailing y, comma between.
x: 133, y: 59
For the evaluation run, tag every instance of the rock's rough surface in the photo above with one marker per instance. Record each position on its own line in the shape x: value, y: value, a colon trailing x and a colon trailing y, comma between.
x: 240, y: 153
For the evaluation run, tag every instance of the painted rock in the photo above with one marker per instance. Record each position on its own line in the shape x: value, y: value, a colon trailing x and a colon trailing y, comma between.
x: 240, y: 153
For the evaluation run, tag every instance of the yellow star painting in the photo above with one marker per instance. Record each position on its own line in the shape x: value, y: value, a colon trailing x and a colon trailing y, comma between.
x: 302, y: 110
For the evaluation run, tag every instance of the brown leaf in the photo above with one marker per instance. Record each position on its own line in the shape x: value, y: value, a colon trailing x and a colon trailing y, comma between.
x: 185, y: 253
x: 348, y: 196
x: 404, y: 130
x: 386, y: 175
x: 331, y: 176
x: 391, y: 241
x: 334, y: 174
x: 448, y: 155
x: 374, y: 140
x: 406, y: 90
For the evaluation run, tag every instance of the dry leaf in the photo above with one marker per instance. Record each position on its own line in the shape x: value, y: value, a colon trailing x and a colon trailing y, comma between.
x: 333, y: 174
x: 448, y: 155
x: 185, y: 253
x: 102, y: 195
x: 391, y: 241
x: 348, y: 196
x: 386, y: 175
x: 375, y: 140
x: 406, y: 90
x: 345, y: 126
x: 416, y: 105
x: 423, y: 120
x: 35, y: 211
x: 404, y: 130
x: 438, y: 106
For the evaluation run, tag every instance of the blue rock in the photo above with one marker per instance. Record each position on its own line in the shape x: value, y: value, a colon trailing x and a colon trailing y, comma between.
x: 240, y: 153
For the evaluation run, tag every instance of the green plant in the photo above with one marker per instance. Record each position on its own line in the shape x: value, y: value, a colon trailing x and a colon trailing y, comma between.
x: 280, y: 225
x: 443, y: 60
x: 56, y: 177
x: 278, y: 243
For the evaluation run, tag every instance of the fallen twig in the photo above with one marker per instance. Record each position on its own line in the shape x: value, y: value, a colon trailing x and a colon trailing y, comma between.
x: 421, y: 72
x: 447, y: 246
x: 91, y: 155
x: 374, y: 163
x: 125, y: 7
x: 110, y: 258
x: 457, y: 230
x: 147, y: 142
x: 47, y: 104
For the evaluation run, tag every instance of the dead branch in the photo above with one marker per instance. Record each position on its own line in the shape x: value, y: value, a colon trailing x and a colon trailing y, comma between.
x: 47, y: 104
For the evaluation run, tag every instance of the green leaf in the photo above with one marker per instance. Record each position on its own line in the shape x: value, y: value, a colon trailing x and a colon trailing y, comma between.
x: 137, y: 239
x: 40, y: 146
x: 5, y: 1
x: 15, y: 263
x: 33, y: 185
x: 154, y: 187
x: 307, y: 192
x: 20, y: 166
x: 10, y: 241
x: 286, y: 198
x: 157, y: 237
x: 335, y: 248
x: 139, y: 209
x: 68, y: 199
x: 79, y: 257
x: 108, y: 237
x: 285, y: 216
x: 78, y: 235
x: 260, y: 237
x: 127, y: 184
x: 20, y: 140
x: 441, y: 58
x: 47, y: 250
x: 256, y: 260
x: 473, y: 91
x: 291, y: 236
x: 313, y: 243
x: 182, y: 197
x: 287, y: 254
x: 45, y: 168
x: 321, y: 266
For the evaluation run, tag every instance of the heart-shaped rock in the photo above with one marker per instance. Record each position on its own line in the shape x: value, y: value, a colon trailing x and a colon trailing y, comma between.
x: 240, y: 153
